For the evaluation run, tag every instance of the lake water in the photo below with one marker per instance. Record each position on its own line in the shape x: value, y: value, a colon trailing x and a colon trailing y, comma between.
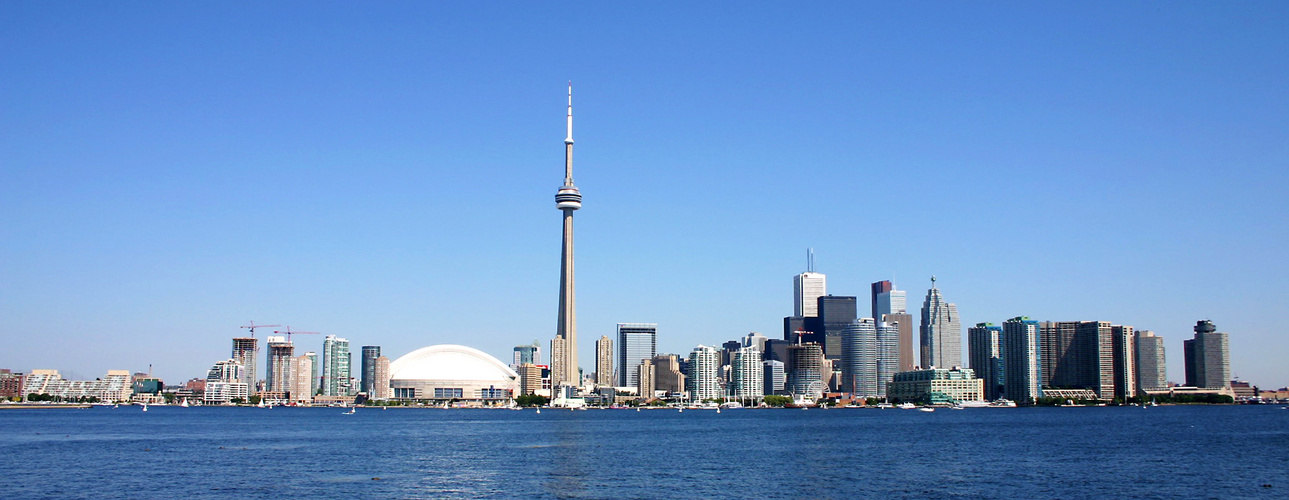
x: 172, y: 452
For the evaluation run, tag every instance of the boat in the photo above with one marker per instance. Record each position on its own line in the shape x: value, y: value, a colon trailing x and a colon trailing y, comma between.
x: 973, y: 404
x: 1003, y: 403
x: 350, y: 412
x: 145, y: 407
x: 184, y: 403
x: 732, y: 405
x: 927, y: 409
x: 539, y: 411
x: 908, y: 406
x: 883, y: 406
x: 957, y: 407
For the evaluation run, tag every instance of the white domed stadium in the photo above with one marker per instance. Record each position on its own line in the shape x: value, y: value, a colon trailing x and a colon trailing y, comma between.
x: 447, y: 372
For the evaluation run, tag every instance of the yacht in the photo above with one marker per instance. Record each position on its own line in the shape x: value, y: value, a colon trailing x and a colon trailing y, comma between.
x: 1003, y: 403
x: 908, y: 406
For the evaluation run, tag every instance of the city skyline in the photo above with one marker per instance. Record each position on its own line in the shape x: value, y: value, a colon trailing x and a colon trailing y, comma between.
x: 158, y: 188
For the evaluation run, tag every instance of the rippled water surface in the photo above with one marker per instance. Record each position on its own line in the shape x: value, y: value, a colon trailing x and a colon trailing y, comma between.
x: 172, y: 452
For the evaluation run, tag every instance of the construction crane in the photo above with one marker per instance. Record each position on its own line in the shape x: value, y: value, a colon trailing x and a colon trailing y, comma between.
x: 252, y: 326
x: 290, y: 332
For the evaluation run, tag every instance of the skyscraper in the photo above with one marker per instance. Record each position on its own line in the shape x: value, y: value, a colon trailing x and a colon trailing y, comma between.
x: 775, y: 376
x: 335, y: 366
x: 645, y: 373
x: 315, y: 364
x: 368, y: 384
x: 747, y: 376
x: 1208, y: 357
x: 302, y: 379
x: 835, y: 314
x: 668, y: 375
x: 806, y: 375
x: 636, y: 342
x: 564, y: 369
x: 278, y: 372
x: 527, y: 354
x: 941, y: 331
x: 604, y: 362
x: 244, y: 349
x: 859, y: 358
x: 1125, y: 366
x: 702, y: 380
x: 1022, y: 372
x: 380, y: 385
x: 985, y: 353
x: 891, y: 306
x: 1151, y: 369
x: 807, y: 287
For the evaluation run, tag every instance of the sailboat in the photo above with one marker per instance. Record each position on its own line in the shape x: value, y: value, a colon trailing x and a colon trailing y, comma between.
x: 184, y: 403
x: 350, y: 412
x: 145, y: 407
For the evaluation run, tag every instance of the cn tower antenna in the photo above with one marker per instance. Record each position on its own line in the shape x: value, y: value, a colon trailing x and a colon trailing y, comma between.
x: 569, y: 139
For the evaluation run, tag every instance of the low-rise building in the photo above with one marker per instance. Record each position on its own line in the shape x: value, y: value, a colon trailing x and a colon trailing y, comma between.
x: 113, y: 387
x: 10, y: 384
x: 936, y: 386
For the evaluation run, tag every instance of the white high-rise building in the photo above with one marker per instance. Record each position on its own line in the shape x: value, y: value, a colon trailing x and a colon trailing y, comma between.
x: 941, y: 331
x: 807, y: 288
x: 775, y: 376
x: 747, y: 374
x: 704, y: 373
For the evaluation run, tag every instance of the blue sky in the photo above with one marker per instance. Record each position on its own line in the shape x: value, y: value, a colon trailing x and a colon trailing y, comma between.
x: 386, y: 173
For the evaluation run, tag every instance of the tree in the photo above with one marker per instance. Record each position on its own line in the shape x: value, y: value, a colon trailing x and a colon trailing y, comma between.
x: 531, y: 400
x: 778, y: 401
x: 255, y: 400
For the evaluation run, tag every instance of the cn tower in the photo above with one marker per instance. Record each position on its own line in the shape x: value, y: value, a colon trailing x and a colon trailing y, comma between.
x: 567, y: 199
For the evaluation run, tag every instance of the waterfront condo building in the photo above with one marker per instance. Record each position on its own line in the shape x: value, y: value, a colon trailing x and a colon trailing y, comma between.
x: 1208, y: 357
x: 335, y: 366
x: 747, y: 378
x: 277, y: 372
x: 704, y: 380
x: 1022, y: 368
x: 636, y: 342
x: 301, y: 390
x: 935, y: 386
x: 604, y: 362
x: 368, y: 383
x: 645, y: 378
x: 985, y: 354
x: 668, y: 374
x: 244, y: 349
x: 1151, y: 369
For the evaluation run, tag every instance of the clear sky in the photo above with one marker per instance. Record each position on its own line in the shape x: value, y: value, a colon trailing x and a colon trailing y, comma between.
x: 386, y: 172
